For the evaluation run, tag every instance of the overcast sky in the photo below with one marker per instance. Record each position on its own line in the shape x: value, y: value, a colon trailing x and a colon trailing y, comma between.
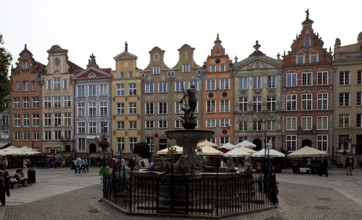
x: 84, y: 27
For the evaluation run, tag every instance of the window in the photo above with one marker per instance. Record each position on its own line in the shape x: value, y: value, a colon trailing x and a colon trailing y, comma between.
x: 150, y: 142
x: 121, y: 75
x: 307, y: 42
x: 120, y: 108
x: 306, y: 123
x: 313, y: 58
x: 81, y: 109
x: 359, y: 99
x: 156, y: 70
x: 26, y: 86
x: 224, y: 84
x: 306, y: 79
x: 81, y: 127
x: 162, y: 108
x: 68, y: 119
x: 36, y: 120
x: 132, y: 143
x: 257, y: 82
x: 224, y: 123
x: 67, y: 101
x: 120, y: 89
x: 65, y: 84
x: 16, y: 120
x: 257, y: 103
x: 291, y: 102
x: 322, y: 101
x: 162, y: 124
x: 92, y: 109
x: 16, y: 103
x: 194, y: 83
x: 306, y: 102
x: 149, y: 124
x: 120, y: 124
x: 224, y: 140
x: 132, y: 124
x: 57, y: 135
x: 35, y: 102
x: 149, y: 108
x: 243, y: 82
x: 300, y: 59
x: 178, y: 123
x: 322, y: 123
x: 17, y: 86
x: 272, y: 81
x: 149, y: 88
x: 291, y: 79
x: 243, y: 104
x: 92, y: 128
x: 103, y: 108
x: 81, y: 145
x: 162, y: 87
x: 47, y: 120
x: 26, y: 65
x: 211, y: 84
x: 130, y: 74
x: 81, y: 90
x: 224, y: 106
x: 211, y: 123
x: 26, y: 120
x: 67, y: 135
x: 103, y: 89
x: 132, y: 108
x: 36, y: 135
x: 359, y: 77
x: 179, y: 86
x: 178, y: 108
x: 343, y: 99
x: 57, y: 119
x: 291, y: 123
x: 56, y: 83
x: 322, y: 142
x: 104, y: 127
x: 16, y: 135
x: 210, y: 106
x: 344, y: 78
x: 33, y: 85
x: 359, y: 120
x: 271, y: 125
x: 185, y: 68
x: 132, y: 89
x: 222, y: 68
x: 92, y: 90
x: 47, y: 101
x: 291, y: 142
x: 213, y: 68
x: 243, y: 125
x: 344, y: 120
x: 257, y: 125
x: 47, y: 135
x: 57, y: 101
x: 120, y: 144
x: 271, y: 103
x: 26, y: 102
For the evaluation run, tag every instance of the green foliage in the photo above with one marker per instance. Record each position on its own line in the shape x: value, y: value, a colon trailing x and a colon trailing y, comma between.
x: 142, y: 149
x: 5, y: 83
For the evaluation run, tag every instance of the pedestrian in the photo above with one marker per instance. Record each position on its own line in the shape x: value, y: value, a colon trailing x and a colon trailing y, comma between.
x: 349, y: 164
x: 4, y: 187
x: 323, y: 167
x: 105, y: 170
x: 86, y: 165
x: 77, y: 164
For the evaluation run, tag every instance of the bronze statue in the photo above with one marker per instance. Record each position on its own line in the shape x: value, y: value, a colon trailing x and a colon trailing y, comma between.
x: 189, y: 106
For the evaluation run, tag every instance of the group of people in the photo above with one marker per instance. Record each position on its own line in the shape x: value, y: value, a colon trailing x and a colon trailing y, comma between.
x: 81, y: 165
x: 8, y: 182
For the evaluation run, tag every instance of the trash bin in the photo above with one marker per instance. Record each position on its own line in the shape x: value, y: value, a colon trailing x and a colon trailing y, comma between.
x: 31, y: 176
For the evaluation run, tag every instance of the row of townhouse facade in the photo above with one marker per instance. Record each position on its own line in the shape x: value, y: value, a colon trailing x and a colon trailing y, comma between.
x: 306, y: 97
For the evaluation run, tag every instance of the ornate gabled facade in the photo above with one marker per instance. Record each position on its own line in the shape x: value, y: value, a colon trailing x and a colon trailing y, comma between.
x: 217, y: 94
x: 308, y: 92
x: 26, y: 106
x: 183, y: 75
x: 126, y: 107
x: 92, y: 101
x: 156, y: 99
x: 57, y: 103
x: 258, y: 107
x: 348, y: 99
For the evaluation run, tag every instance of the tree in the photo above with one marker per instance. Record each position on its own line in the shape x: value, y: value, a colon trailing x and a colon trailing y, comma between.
x: 5, y: 88
x: 142, y: 149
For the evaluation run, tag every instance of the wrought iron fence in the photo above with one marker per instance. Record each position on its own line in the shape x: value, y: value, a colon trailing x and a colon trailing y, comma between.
x: 205, y: 194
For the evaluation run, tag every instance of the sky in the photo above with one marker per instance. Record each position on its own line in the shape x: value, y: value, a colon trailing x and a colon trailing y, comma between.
x: 86, y: 27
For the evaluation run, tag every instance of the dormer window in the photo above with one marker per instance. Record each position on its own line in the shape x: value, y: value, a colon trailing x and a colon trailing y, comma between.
x: 26, y: 65
x: 307, y: 42
x: 314, y: 58
x: 300, y: 59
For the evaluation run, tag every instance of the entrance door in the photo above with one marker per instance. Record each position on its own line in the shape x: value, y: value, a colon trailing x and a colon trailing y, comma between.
x: 92, y: 148
x: 307, y: 143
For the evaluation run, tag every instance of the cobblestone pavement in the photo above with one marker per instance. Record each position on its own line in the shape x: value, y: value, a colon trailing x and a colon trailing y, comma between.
x: 300, y: 197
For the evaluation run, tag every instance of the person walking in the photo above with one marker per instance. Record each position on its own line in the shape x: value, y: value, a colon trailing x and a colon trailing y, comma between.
x: 323, y: 167
x: 4, y: 187
x: 349, y: 165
